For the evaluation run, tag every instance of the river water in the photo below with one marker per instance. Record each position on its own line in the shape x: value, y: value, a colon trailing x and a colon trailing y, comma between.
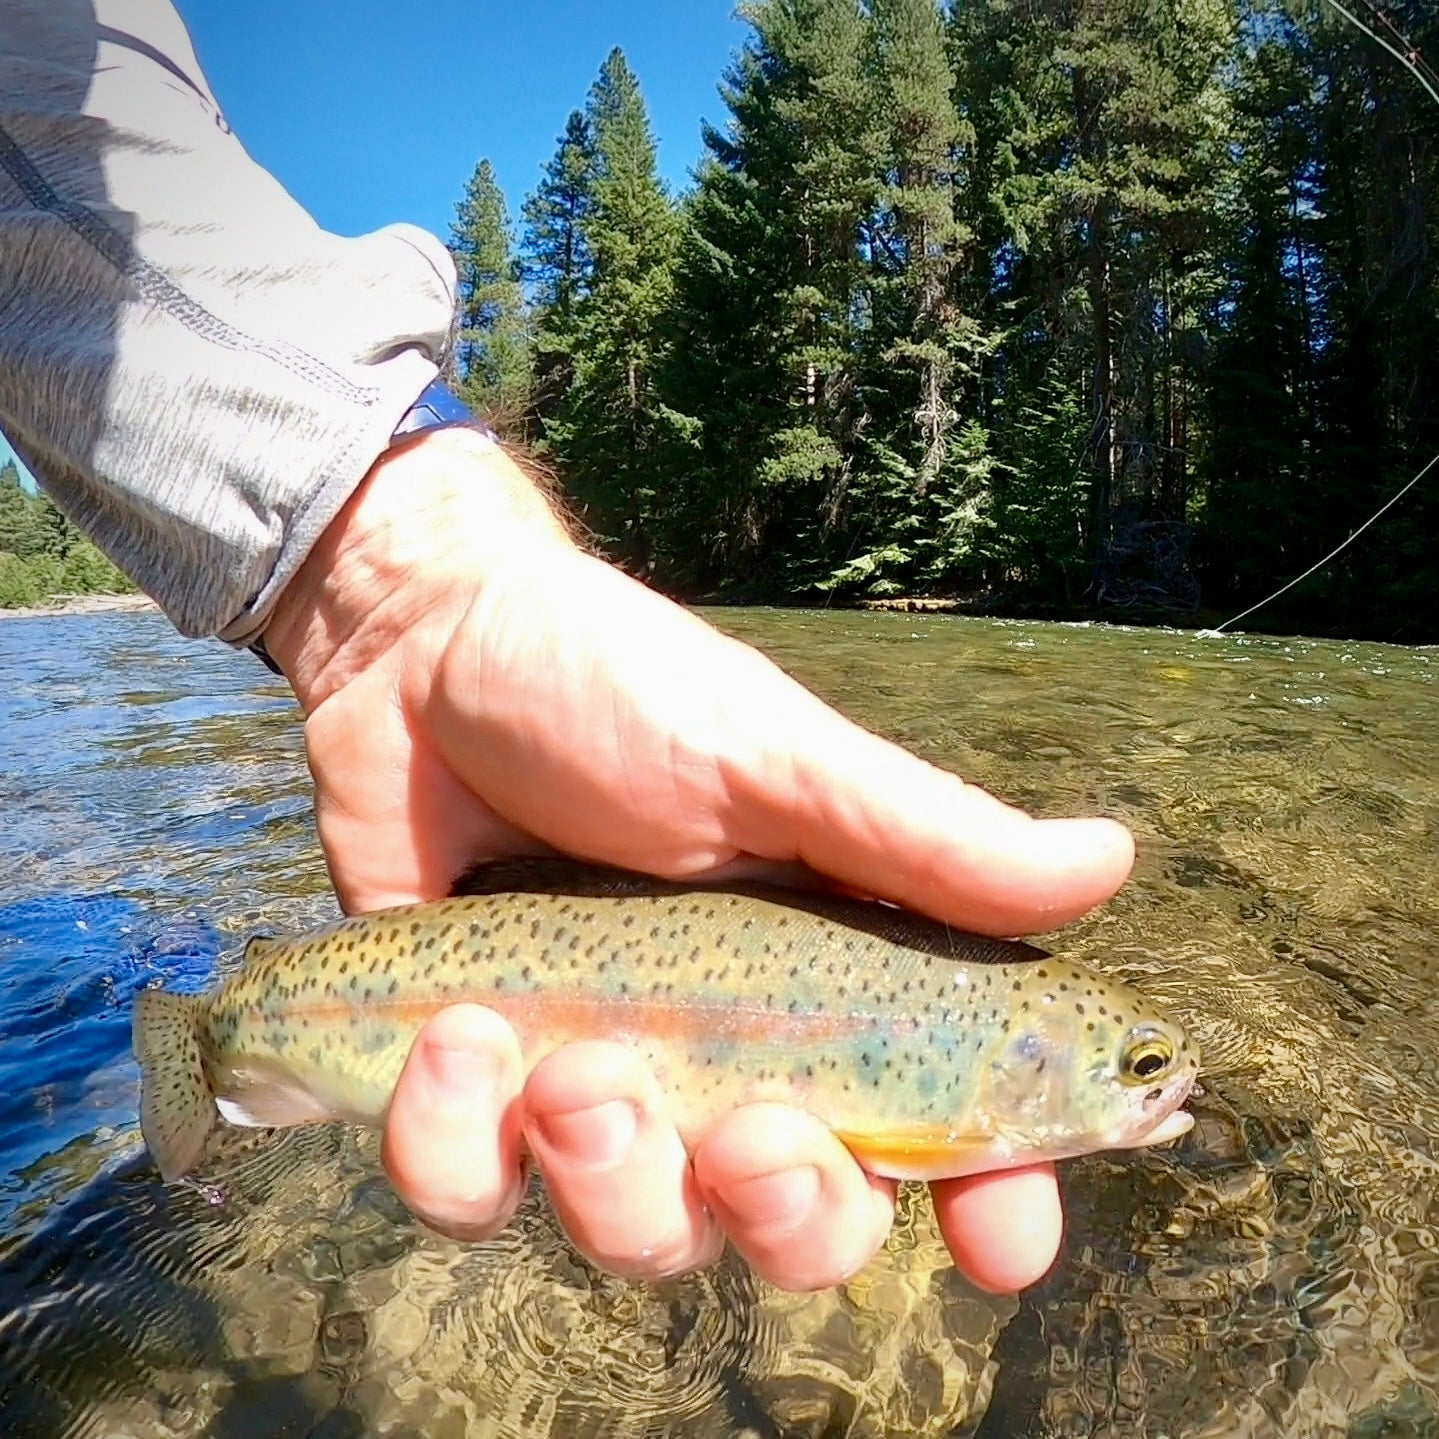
x: 1274, y: 1274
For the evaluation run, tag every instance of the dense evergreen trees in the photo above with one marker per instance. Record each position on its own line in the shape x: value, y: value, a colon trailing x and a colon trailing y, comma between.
x: 1070, y: 301
x: 41, y: 552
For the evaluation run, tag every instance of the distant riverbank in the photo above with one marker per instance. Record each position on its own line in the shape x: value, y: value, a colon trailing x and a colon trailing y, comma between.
x: 82, y: 605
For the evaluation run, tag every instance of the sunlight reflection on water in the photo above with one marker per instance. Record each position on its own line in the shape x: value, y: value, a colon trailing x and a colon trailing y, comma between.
x: 1273, y: 1275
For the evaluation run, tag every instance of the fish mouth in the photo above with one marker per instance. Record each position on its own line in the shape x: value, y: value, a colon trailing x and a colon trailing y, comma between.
x: 1172, y: 1122
x: 1174, y: 1125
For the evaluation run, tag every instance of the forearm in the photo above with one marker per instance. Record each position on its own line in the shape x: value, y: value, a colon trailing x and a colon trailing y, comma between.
x: 197, y: 373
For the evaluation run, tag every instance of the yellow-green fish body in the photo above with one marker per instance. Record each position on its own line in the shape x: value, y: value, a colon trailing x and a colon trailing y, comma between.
x: 932, y: 1053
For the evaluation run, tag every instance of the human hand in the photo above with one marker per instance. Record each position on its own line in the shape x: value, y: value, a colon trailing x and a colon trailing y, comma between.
x: 477, y: 687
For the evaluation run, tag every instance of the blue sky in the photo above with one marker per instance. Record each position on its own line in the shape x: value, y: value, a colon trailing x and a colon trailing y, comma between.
x: 371, y: 112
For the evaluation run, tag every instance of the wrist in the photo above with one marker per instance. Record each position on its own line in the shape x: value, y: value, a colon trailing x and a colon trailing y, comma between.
x: 432, y: 523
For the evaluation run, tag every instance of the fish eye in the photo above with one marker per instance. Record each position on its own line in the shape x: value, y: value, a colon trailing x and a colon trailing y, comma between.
x: 1146, y: 1057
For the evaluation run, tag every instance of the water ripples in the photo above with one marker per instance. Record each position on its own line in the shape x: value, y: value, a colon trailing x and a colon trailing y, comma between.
x: 1274, y: 1275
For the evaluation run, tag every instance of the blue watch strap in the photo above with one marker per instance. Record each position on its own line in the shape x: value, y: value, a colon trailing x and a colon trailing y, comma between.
x: 438, y: 408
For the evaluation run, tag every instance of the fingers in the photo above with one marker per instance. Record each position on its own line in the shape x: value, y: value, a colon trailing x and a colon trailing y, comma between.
x: 1003, y: 1229
x: 452, y: 1136
x: 787, y: 1193
x: 792, y: 1198
x: 614, y: 1165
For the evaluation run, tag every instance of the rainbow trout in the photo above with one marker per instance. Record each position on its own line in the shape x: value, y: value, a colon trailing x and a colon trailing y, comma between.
x: 931, y: 1053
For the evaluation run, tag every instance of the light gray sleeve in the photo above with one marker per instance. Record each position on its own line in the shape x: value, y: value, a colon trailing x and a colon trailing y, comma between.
x: 195, y: 371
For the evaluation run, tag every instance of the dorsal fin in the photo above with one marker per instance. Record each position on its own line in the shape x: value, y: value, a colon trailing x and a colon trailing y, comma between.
x: 546, y: 874
x: 256, y: 947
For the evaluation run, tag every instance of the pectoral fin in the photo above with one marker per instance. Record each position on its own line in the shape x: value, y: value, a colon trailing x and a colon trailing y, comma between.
x: 926, y: 1152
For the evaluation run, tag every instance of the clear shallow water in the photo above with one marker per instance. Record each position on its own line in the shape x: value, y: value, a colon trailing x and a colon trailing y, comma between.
x: 1277, y: 1273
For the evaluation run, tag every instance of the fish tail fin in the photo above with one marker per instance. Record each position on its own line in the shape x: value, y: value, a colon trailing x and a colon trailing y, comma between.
x: 177, y: 1108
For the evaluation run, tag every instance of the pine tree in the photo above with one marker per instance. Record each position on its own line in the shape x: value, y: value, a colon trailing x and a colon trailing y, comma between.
x: 602, y: 435
x: 763, y: 394
x: 493, y: 344
x: 922, y: 479
x: 1106, y: 122
x: 556, y: 260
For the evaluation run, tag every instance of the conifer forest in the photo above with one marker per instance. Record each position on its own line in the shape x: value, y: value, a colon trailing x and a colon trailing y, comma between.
x: 1068, y: 307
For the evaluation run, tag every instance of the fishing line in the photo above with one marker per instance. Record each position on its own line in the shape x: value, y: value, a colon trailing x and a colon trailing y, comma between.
x: 1414, y: 62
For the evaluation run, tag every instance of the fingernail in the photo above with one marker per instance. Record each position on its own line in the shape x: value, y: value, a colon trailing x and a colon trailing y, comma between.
x: 786, y: 1197
x: 460, y: 1075
x: 601, y: 1135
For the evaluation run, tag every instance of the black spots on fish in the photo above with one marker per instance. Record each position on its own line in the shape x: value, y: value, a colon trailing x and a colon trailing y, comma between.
x: 1017, y: 986
x: 536, y: 926
x: 512, y: 953
x: 627, y: 920
x: 1079, y: 1009
x: 1101, y: 1009
x: 499, y: 982
x: 1091, y: 1026
x: 749, y: 968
